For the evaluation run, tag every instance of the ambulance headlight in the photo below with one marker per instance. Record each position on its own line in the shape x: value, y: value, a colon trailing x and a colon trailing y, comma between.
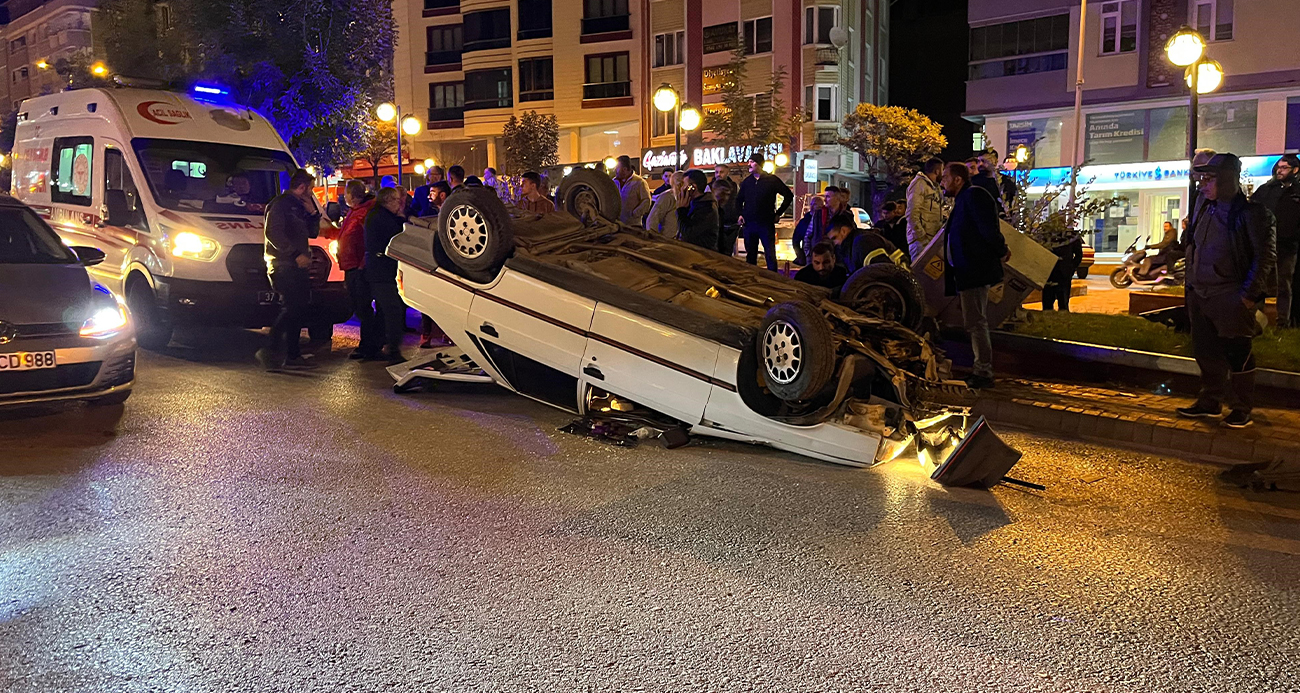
x: 188, y: 244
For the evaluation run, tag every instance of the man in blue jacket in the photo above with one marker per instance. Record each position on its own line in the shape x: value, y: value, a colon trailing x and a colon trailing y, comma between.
x: 758, y: 210
x: 975, y: 253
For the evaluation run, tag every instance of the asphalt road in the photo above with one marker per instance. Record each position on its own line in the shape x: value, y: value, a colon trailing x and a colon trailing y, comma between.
x: 232, y: 530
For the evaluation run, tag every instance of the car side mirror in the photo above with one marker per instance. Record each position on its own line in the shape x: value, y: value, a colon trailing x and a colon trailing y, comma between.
x: 87, y: 255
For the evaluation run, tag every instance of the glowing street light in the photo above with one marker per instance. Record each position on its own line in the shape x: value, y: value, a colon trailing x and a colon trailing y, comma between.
x: 769, y: 167
x: 782, y: 159
x: 420, y: 169
x: 99, y: 69
x: 411, y: 126
x: 429, y: 163
x: 690, y: 118
x: 389, y: 112
x: 386, y: 112
x: 610, y: 163
x: 42, y: 64
x: 1022, y: 154
x: 665, y: 98
x: 1185, y: 47
x: 1209, y: 76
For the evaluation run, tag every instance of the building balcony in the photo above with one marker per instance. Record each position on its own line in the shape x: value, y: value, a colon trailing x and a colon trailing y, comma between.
x: 434, y: 8
x: 440, y: 117
x: 535, y: 32
x: 606, y: 90
x: 538, y: 95
x: 434, y: 58
x: 487, y: 44
x: 483, y: 104
x: 606, y: 25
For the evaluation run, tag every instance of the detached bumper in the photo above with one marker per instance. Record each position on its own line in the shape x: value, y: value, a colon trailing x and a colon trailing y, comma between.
x: 245, y: 304
x: 86, y: 369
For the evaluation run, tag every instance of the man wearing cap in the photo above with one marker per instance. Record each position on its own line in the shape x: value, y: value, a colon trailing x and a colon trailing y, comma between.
x: 1231, y: 266
x: 759, y: 212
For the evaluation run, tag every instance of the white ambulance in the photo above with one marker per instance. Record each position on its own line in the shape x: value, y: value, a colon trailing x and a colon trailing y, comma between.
x: 172, y: 188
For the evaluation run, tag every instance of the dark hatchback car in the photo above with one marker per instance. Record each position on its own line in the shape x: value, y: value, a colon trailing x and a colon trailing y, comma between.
x: 63, y: 336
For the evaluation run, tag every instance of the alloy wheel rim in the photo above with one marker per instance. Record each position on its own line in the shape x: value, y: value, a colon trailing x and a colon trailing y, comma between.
x: 467, y: 231
x: 782, y: 352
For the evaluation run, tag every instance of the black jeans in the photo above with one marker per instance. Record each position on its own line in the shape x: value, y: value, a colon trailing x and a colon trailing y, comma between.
x: 1286, y: 276
x: 372, y: 325
x: 293, y: 284
x: 727, y: 235
x: 1227, y: 363
x: 766, y: 234
x: 1056, y: 297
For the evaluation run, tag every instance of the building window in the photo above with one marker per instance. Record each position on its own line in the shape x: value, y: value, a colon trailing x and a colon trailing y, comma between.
x: 534, y: 19
x: 1213, y: 18
x: 607, y: 77
x: 487, y: 30
x: 1119, y: 27
x: 446, y: 101
x: 536, y: 79
x: 662, y: 123
x: 758, y: 35
x: 603, y: 16
x: 442, y: 45
x: 17, y: 44
x: 720, y: 38
x: 488, y: 89
x: 821, y: 100
x: 1042, y: 35
x: 440, y: 4
x: 670, y: 49
x: 818, y: 22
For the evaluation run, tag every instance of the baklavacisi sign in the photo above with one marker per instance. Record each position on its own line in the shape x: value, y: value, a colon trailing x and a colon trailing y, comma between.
x: 701, y: 157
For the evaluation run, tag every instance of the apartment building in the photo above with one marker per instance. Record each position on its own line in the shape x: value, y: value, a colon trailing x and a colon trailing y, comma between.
x: 468, y: 65
x: 37, y: 35
x: 1135, y: 117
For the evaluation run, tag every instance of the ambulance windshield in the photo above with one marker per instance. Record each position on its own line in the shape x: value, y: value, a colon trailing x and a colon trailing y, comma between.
x: 208, y: 177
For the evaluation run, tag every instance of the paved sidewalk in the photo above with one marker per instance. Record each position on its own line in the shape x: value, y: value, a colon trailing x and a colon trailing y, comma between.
x: 1139, y: 419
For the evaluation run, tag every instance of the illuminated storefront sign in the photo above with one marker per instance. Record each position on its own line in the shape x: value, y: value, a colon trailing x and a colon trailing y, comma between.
x: 1147, y: 174
x: 707, y: 157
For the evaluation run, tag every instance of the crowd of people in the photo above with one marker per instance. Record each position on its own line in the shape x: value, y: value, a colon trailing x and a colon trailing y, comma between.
x: 1237, y: 249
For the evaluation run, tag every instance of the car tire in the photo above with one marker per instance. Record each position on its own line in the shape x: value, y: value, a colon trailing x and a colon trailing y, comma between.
x: 795, y: 350
x: 587, y: 193
x: 474, y: 230
x: 109, y: 400
x: 886, y: 291
x: 1083, y: 272
x: 1120, y: 279
x: 151, y: 330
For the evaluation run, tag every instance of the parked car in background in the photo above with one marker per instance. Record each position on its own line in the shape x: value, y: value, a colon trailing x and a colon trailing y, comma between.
x: 63, y: 336
x: 573, y: 307
x: 1089, y: 259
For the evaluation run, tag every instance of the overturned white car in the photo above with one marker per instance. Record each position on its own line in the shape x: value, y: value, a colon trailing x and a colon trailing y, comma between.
x: 571, y: 307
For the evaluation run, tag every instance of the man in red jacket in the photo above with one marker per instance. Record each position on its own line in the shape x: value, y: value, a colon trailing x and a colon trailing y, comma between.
x: 352, y: 260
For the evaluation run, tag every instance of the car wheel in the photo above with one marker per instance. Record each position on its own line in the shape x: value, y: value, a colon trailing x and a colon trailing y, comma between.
x: 474, y: 229
x: 796, y: 352
x: 109, y: 400
x: 151, y: 331
x: 587, y: 194
x: 1083, y: 272
x: 1120, y: 279
x: 886, y: 291
x: 321, y: 332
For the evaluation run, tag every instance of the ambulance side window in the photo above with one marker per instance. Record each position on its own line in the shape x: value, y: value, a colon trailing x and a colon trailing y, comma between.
x: 72, y: 167
x: 121, y: 198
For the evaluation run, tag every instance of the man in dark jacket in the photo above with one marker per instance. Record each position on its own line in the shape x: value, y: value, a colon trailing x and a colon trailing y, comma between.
x: 1002, y: 188
x: 725, y: 191
x: 1056, y: 294
x: 975, y: 253
x: 759, y: 212
x: 382, y: 223
x: 1281, y: 196
x: 856, y: 248
x: 422, y: 199
x: 292, y: 219
x: 823, y: 269
x: 1231, y: 267
x: 893, y: 226
x: 697, y: 212
x: 352, y: 260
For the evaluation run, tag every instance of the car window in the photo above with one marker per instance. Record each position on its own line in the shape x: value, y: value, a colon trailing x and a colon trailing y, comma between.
x: 25, y: 239
x: 72, y: 168
x: 208, y: 177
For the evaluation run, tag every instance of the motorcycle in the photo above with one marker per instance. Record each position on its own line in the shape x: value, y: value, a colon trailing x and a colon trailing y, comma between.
x: 1171, y: 273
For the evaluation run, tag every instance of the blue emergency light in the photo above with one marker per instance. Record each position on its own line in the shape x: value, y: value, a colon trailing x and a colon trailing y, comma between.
x: 210, y: 92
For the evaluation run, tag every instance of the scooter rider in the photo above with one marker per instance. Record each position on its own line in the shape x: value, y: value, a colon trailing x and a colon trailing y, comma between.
x: 1158, y: 253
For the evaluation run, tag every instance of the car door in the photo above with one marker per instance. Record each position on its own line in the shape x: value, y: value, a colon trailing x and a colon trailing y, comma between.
x: 533, y: 335
x: 660, y: 367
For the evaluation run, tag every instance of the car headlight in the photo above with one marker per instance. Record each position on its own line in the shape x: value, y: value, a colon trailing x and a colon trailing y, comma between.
x: 107, y: 315
x: 188, y: 244
x: 334, y: 250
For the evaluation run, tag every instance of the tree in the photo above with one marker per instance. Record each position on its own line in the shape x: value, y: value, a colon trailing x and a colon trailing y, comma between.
x: 892, y: 140
x: 746, y: 120
x: 531, y: 142
x: 378, y: 142
x: 315, y: 68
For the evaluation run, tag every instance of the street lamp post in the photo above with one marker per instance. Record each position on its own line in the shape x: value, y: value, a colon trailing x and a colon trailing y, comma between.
x: 685, y: 117
x: 1186, y: 48
x: 389, y: 112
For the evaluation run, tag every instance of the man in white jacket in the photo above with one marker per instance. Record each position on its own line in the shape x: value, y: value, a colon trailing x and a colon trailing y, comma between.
x: 663, y: 213
x: 633, y: 190
x: 924, y: 207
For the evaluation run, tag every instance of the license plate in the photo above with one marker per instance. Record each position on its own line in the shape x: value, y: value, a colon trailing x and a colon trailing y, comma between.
x: 26, y: 360
x: 267, y: 298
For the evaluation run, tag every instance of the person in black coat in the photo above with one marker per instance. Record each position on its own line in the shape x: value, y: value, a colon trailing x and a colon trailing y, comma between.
x: 893, y: 226
x: 1056, y: 295
x: 292, y: 218
x: 823, y: 270
x: 697, y: 212
x: 1281, y: 196
x: 759, y: 210
x: 975, y: 253
x: 856, y: 248
x: 384, y: 221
